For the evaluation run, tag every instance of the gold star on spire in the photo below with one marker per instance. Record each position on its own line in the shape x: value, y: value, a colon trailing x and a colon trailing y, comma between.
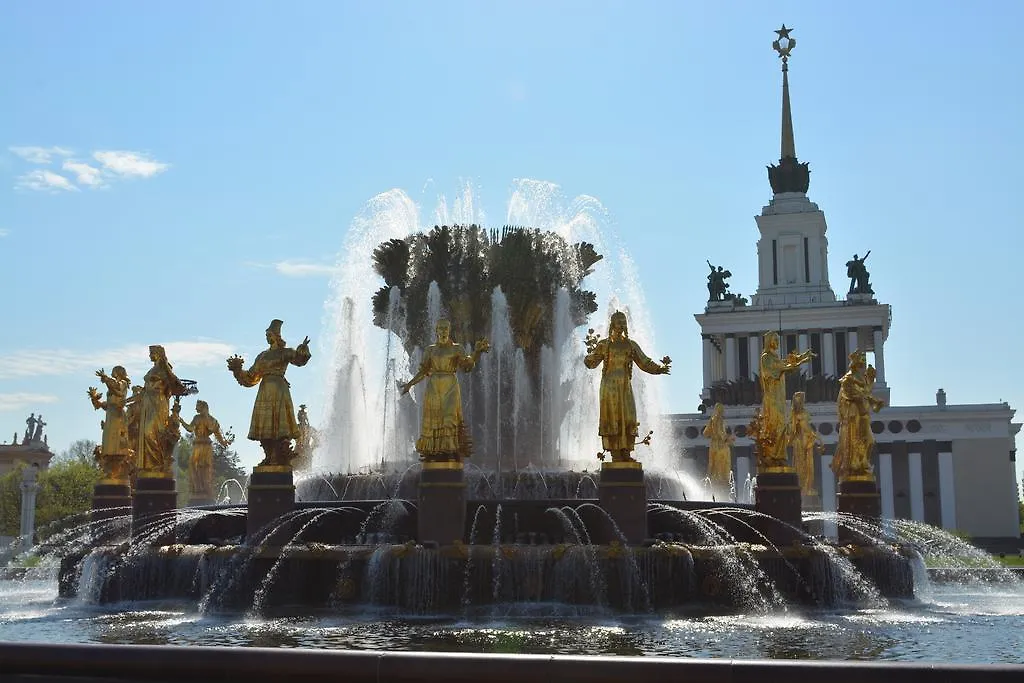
x: 784, y: 44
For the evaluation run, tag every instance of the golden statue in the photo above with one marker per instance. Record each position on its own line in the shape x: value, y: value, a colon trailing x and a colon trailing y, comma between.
x: 618, y: 425
x: 113, y: 453
x: 805, y: 442
x: 443, y: 431
x: 720, y: 449
x: 273, y: 416
x: 853, y: 450
x: 200, y: 467
x: 157, y: 433
x: 306, y: 443
x: 768, y: 429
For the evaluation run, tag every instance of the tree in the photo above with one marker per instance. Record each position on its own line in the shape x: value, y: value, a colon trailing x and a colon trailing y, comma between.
x: 79, y: 451
x: 65, y: 490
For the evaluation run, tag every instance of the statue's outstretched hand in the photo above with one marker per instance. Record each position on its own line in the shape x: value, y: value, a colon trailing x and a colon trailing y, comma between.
x: 305, y: 342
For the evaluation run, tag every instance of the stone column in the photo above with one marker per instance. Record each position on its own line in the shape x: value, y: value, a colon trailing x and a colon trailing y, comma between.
x: 851, y: 341
x: 916, y: 486
x: 271, y: 495
x: 803, y: 341
x: 755, y: 355
x: 622, y: 495
x: 879, y: 357
x: 29, y: 489
x: 828, y: 353
x: 732, y: 358
x: 441, y: 512
x: 947, y: 491
x: 709, y: 367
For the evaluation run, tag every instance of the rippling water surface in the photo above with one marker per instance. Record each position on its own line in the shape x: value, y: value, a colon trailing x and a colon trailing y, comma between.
x: 978, y: 624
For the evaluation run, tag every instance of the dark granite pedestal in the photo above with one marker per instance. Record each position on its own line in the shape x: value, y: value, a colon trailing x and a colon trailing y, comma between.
x: 623, y: 495
x: 858, y: 495
x: 777, y: 494
x: 271, y: 495
x: 110, y: 498
x: 442, y: 503
x: 154, y: 501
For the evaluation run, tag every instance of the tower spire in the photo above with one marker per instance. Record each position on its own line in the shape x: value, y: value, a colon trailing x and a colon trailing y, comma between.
x: 790, y: 175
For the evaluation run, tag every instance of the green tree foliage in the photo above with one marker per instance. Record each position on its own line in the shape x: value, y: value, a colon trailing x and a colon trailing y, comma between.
x: 65, y: 490
x: 78, y: 451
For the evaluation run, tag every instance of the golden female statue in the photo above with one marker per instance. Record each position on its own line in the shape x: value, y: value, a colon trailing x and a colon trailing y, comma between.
x: 154, y: 453
x: 443, y: 432
x: 273, y: 416
x: 770, y: 423
x: 805, y: 442
x: 618, y: 425
x: 853, y: 449
x: 114, y: 450
x: 200, y: 467
x: 720, y: 449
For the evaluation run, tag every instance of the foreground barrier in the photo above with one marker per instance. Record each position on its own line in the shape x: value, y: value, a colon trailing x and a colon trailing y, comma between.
x: 39, y: 663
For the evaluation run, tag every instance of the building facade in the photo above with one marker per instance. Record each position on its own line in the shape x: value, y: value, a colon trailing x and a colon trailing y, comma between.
x: 948, y: 465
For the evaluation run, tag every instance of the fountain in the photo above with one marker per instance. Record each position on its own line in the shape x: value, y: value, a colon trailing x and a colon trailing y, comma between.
x: 456, y: 477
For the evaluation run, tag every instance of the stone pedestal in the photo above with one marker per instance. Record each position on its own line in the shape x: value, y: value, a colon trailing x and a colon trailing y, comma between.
x: 271, y: 495
x: 623, y: 495
x: 777, y: 494
x: 111, y: 499
x: 858, y: 495
x: 442, y: 505
x: 154, y: 498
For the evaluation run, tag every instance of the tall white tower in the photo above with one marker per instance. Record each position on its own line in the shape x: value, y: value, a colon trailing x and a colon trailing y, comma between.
x: 794, y: 295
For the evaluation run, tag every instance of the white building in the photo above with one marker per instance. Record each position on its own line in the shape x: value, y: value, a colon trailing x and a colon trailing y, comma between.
x: 947, y: 465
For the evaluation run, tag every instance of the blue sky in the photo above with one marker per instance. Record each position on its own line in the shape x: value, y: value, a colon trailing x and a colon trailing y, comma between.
x: 185, y: 151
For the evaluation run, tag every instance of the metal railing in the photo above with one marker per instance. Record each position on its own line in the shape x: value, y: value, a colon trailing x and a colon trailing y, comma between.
x: 41, y: 663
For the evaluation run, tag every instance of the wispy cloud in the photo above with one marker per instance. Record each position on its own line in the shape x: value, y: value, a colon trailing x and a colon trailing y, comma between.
x: 129, y: 164
x: 24, y: 400
x: 134, y: 357
x: 87, y: 175
x: 299, y: 268
x: 40, y: 155
x: 104, y: 167
x: 4, y: 232
x: 42, y: 180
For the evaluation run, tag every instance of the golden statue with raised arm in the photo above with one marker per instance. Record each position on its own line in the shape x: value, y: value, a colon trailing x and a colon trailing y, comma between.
x: 200, y: 467
x: 768, y: 429
x: 805, y: 442
x: 443, y: 431
x: 853, y: 449
x: 273, y: 415
x: 114, y: 451
x: 719, y: 448
x: 617, y: 354
x: 157, y: 437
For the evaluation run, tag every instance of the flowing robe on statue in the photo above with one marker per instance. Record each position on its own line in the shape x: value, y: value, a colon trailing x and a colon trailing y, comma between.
x: 804, y: 440
x: 618, y: 424
x: 159, y: 384
x: 273, y: 416
x: 200, y: 468
x: 115, y: 427
x: 719, y: 451
x: 855, y: 437
x: 443, y: 430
